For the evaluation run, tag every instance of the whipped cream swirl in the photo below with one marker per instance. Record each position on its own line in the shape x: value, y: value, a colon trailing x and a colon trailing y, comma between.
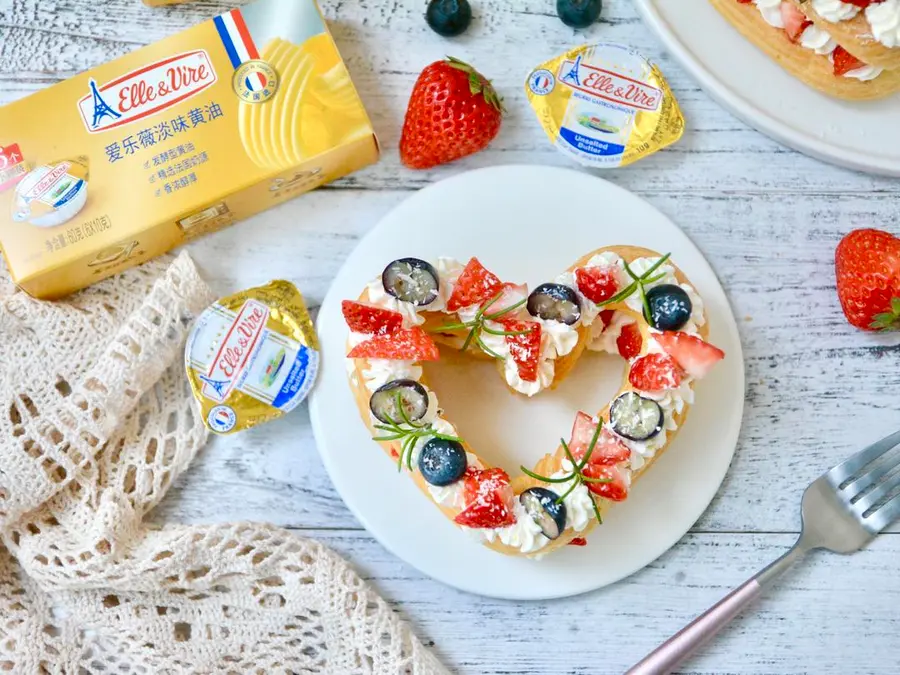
x: 884, y: 19
x: 835, y: 11
x: 771, y: 12
x: 818, y: 40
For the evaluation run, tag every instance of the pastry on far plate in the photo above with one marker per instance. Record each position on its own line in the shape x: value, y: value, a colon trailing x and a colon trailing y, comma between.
x: 806, y: 50
x: 868, y: 29
x: 622, y: 300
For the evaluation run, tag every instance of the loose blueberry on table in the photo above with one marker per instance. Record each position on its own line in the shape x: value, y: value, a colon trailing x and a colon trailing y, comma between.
x: 555, y: 302
x: 579, y: 13
x: 449, y: 18
x: 411, y: 280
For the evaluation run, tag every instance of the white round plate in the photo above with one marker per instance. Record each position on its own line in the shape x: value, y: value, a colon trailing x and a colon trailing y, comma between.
x: 527, y: 224
x: 859, y: 135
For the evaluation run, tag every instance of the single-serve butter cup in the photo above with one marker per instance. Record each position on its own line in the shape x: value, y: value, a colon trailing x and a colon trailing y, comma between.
x: 604, y: 105
x: 252, y: 357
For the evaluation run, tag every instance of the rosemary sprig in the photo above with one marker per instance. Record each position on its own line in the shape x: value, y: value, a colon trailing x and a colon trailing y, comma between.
x: 477, y: 326
x: 577, y: 475
x: 409, y: 435
x: 408, y: 432
x: 597, y: 513
x: 638, y: 284
x: 487, y: 350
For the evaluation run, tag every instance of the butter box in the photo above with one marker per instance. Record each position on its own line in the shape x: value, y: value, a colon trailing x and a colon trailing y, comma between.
x: 175, y: 140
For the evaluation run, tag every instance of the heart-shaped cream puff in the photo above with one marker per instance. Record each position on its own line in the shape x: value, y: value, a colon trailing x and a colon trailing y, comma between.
x: 620, y: 299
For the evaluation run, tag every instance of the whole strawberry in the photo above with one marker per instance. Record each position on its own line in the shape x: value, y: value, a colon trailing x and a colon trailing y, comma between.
x: 867, y: 264
x: 453, y: 112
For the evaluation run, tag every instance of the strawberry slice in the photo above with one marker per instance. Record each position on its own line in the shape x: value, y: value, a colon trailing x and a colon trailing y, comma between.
x: 525, y: 349
x: 480, y: 482
x: 655, y: 372
x: 630, y: 341
x: 607, y: 450
x: 695, y: 356
x: 844, y: 61
x: 582, y: 432
x: 606, y: 316
x: 370, y: 319
x: 616, y: 490
x: 474, y: 286
x: 578, y: 541
x: 862, y: 3
x: 489, y: 499
x: 597, y: 284
x: 410, y: 344
x: 795, y: 21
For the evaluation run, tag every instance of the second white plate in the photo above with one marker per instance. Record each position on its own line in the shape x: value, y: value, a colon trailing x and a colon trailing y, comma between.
x: 526, y: 223
x: 860, y: 135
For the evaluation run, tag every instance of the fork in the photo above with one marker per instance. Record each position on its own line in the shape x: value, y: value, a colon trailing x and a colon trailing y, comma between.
x: 842, y: 511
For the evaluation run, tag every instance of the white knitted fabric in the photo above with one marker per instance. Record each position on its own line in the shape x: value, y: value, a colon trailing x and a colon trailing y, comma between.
x: 96, y: 422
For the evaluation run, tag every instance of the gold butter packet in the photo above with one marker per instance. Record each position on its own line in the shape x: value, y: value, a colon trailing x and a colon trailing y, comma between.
x: 252, y: 357
x: 604, y: 105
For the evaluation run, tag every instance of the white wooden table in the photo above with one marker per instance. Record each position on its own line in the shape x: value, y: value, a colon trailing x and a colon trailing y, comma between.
x: 767, y: 218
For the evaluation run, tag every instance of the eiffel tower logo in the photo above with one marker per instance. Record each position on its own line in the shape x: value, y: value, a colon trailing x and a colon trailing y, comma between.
x: 101, y: 107
x: 218, y: 386
x: 572, y: 75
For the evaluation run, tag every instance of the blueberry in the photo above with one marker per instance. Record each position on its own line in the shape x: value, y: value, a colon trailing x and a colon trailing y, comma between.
x: 635, y: 417
x: 388, y: 400
x: 442, y: 462
x: 541, y: 505
x: 555, y: 302
x: 670, y: 307
x: 449, y: 17
x: 411, y: 280
x: 579, y: 13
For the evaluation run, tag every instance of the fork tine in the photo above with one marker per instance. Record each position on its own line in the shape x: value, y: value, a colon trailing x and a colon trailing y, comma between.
x: 876, y: 495
x: 884, y: 516
x: 850, y: 467
x: 868, y: 479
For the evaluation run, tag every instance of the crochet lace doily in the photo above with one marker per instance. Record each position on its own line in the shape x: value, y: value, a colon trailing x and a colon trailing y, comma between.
x: 96, y: 422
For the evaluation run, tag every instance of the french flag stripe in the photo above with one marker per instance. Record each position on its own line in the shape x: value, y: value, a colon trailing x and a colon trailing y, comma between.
x: 239, y: 43
x: 241, y: 27
x: 227, y: 42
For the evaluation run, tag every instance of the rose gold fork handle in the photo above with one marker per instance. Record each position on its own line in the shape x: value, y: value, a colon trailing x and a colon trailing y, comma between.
x: 665, y: 658
x: 701, y: 630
